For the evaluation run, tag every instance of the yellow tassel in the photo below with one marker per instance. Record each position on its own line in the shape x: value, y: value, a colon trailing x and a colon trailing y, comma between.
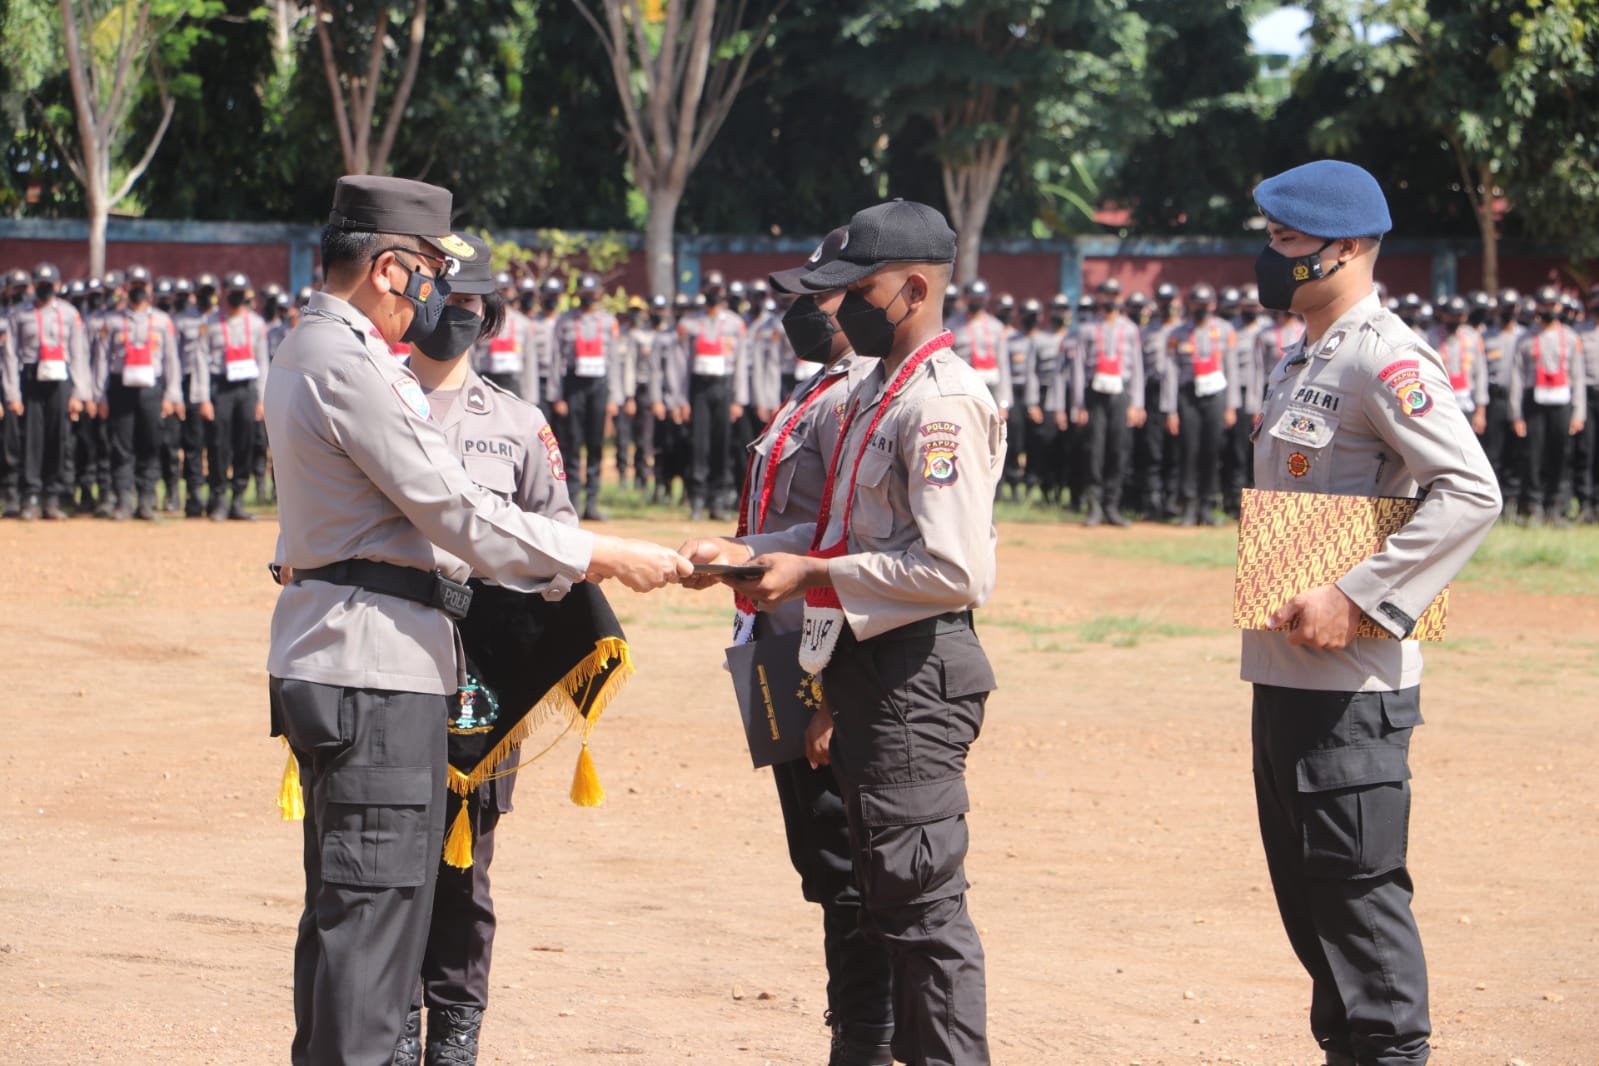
x: 291, y: 800
x: 458, y: 845
x: 586, y: 788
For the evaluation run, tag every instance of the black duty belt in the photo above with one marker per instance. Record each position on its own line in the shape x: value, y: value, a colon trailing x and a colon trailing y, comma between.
x: 428, y: 587
x: 949, y: 622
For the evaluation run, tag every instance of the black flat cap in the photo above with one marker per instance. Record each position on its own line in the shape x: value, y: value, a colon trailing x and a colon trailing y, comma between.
x: 826, y: 252
x: 476, y: 274
x: 374, y: 203
x: 900, y: 231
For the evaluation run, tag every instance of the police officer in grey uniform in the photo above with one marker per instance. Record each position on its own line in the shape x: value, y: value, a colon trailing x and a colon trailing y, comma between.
x: 138, y: 384
x: 1546, y: 379
x: 673, y: 443
x: 1106, y: 400
x: 505, y: 357
x: 1201, y: 354
x: 49, y: 385
x: 10, y: 420
x: 1361, y: 406
x: 1586, y: 454
x: 1155, y: 453
x: 586, y: 390
x: 1500, y: 336
x: 506, y: 447
x: 715, y: 346
x: 230, y: 379
x: 900, y: 555
x: 379, y: 528
x: 1044, y: 398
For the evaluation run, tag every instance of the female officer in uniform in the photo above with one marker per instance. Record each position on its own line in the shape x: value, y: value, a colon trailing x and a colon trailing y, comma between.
x: 506, y: 447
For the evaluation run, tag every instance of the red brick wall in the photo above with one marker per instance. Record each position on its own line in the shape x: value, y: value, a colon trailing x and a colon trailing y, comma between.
x: 262, y: 262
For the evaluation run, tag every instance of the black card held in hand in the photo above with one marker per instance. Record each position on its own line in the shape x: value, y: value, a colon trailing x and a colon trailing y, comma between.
x: 775, y: 697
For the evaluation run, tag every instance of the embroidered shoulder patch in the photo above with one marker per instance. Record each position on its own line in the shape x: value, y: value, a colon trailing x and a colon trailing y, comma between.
x: 552, y: 451
x: 410, y: 394
x: 1403, y: 376
x: 949, y: 428
x: 938, y: 462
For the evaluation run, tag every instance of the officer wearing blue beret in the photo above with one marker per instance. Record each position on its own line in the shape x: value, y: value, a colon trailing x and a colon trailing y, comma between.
x: 1359, y: 406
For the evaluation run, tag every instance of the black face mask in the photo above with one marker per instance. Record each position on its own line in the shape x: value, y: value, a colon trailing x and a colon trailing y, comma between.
x: 868, y: 327
x: 1547, y: 317
x: 1277, y: 276
x: 44, y: 291
x: 457, y: 330
x: 1057, y: 321
x: 656, y: 318
x: 810, y: 330
x: 430, y: 296
x: 585, y: 300
x: 549, y: 303
x: 236, y: 299
x: 180, y: 302
x: 1199, y: 314
x: 525, y: 304
x: 138, y: 296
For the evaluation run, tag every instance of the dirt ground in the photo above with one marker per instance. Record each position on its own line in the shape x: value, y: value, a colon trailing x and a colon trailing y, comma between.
x: 148, y: 891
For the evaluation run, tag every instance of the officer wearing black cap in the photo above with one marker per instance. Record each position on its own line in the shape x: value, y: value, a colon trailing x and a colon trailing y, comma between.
x: 1501, y: 335
x: 1361, y: 406
x: 1465, y: 360
x: 641, y: 387
x: 1201, y: 355
x: 229, y: 385
x: 980, y: 340
x: 585, y: 392
x: 1105, y: 397
x: 137, y: 382
x: 541, y: 326
x: 901, y: 553
x: 47, y: 383
x: 715, y: 342
x: 90, y: 478
x: 363, y: 662
x: 507, y: 358
x: 195, y: 300
x: 674, y: 446
x: 1547, y: 376
x: 1049, y: 358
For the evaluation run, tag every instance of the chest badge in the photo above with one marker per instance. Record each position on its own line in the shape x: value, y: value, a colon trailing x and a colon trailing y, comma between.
x: 938, y: 463
x: 1298, y: 464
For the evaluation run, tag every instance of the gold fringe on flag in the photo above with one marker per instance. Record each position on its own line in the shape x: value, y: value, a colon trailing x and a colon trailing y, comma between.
x: 291, y: 798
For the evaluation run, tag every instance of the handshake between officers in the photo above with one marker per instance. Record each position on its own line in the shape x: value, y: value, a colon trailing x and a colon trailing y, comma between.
x: 380, y: 528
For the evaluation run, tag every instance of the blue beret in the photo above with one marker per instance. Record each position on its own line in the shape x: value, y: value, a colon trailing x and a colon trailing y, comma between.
x: 1327, y: 198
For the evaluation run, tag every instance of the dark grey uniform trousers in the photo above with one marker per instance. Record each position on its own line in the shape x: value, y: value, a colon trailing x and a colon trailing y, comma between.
x: 1333, y: 795
x: 372, y: 766
x: 1107, y: 446
x: 460, y: 940
x: 907, y: 706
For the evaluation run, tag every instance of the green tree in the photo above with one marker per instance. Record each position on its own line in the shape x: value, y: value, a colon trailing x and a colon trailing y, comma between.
x: 1507, y: 88
x: 983, y: 78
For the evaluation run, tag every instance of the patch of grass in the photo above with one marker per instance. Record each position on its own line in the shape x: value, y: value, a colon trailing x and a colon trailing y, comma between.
x: 1128, y: 631
x: 1540, y: 562
x: 1202, y: 549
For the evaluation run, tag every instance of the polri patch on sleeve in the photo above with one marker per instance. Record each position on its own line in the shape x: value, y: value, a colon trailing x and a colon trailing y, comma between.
x: 410, y: 394
x: 938, y: 462
x: 552, y: 451
x: 1403, y: 376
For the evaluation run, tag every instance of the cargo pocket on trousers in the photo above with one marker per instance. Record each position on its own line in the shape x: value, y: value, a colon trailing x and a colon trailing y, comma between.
x: 1355, y: 810
x: 375, y: 832
x: 966, y: 679
x: 916, y: 840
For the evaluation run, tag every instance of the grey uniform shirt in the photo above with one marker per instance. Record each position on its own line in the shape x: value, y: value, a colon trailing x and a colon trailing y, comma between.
x: 1048, y: 362
x: 243, y: 333
x: 5, y: 362
x: 1466, y: 363
x: 1271, y: 342
x: 1499, y: 348
x: 1588, y: 330
x: 1201, y: 354
x: 150, y: 331
x: 801, y: 470
x: 541, y: 330
x: 714, y: 345
x: 1544, y: 358
x: 1368, y: 411
x: 1108, y: 358
x: 921, y: 535
x: 507, y: 446
x: 588, y: 345
x: 1245, y: 386
x: 508, y: 351
x: 762, y: 386
x: 362, y: 473
x: 48, y: 328
x: 980, y: 343
x: 1154, y: 337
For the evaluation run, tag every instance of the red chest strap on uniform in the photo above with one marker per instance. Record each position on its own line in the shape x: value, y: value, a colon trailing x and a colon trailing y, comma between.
x: 743, y: 622
x: 51, y: 353
x: 1107, y: 360
x: 824, y: 613
x: 1554, y: 377
x: 134, y: 355
x: 1212, y: 359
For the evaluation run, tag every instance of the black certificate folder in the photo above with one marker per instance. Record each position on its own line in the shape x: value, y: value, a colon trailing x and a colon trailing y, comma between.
x: 775, y: 697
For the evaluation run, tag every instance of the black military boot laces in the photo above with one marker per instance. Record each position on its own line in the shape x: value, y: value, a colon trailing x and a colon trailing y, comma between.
x: 452, y: 1036
x: 408, y: 1049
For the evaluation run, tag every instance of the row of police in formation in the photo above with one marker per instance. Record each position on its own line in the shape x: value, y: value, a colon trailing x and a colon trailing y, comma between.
x: 117, y: 387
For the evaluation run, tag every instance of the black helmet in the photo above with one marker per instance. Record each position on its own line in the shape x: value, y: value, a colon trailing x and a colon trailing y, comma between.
x: 1060, y: 302
x: 977, y: 289
x: 1410, y: 302
x: 284, y: 301
x: 1031, y: 306
x: 1455, y: 305
x: 205, y: 281
x: 528, y: 284
x: 138, y: 275
x: 271, y: 291
x: 1509, y: 299
x: 1006, y: 303
x: 237, y: 282
x: 503, y: 280
x: 303, y: 297
x: 736, y: 290
x: 951, y: 293
x: 1085, y: 302
x: 46, y: 272
x: 588, y: 283
x: 681, y: 302
x: 759, y: 288
x: 1166, y: 292
x: 115, y: 279
x: 713, y: 280
x: 1137, y: 298
x: 17, y: 278
x: 552, y: 285
x: 1109, y: 287
x: 1201, y: 294
x: 1548, y: 295
x: 76, y: 288
x: 659, y: 303
x: 1251, y: 296
x: 1479, y: 300
x: 1230, y: 296
x: 164, y: 286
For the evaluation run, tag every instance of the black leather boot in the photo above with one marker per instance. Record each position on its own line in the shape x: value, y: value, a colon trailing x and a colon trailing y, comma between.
x: 854, y: 1049
x: 408, y: 1049
x: 1096, y: 514
x: 452, y: 1036
x: 1190, y: 515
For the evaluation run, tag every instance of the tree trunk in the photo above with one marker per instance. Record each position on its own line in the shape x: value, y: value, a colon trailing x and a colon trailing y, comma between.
x: 97, y: 197
x: 658, y: 233
x: 968, y: 225
x: 1490, y: 234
